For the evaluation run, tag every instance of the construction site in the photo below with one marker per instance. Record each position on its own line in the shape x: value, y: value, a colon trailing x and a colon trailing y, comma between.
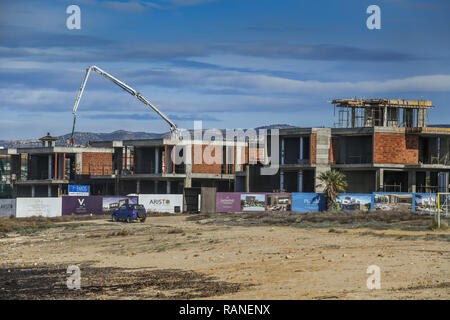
x: 381, y: 145
x: 235, y: 246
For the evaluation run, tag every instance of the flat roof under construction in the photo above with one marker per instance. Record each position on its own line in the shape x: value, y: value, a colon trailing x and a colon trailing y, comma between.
x: 391, y: 103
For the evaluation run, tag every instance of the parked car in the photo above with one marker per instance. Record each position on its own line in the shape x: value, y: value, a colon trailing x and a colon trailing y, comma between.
x: 129, y: 213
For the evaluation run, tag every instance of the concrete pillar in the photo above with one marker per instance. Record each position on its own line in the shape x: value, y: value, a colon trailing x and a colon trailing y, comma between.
x: 238, y: 158
x: 33, y: 191
x: 379, y: 180
x: 247, y: 179
x: 300, y: 181
x: 353, y: 117
x: 168, y: 187
x: 385, y: 117
x: 188, y: 166
x: 421, y: 117
x: 49, y: 166
x: 79, y: 163
x: 281, y: 180
x: 138, y: 186
x: 282, y: 150
x: 411, y: 181
x: 301, y: 148
x: 156, y: 160
x: 49, y: 190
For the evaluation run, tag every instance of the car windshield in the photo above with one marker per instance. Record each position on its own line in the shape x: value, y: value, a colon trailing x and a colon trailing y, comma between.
x: 138, y: 206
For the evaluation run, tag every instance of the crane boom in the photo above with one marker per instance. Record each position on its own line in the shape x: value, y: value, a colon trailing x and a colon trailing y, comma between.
x: 124, y: 86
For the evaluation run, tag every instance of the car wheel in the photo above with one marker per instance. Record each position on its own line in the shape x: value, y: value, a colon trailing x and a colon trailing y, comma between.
x: 129, y: 220
x: 143, y: 220
x: 113, y: 218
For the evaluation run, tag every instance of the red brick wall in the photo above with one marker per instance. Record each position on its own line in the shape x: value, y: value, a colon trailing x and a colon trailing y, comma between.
x: 217, y: 168
x: 198, y: 152
x: 313, y: 147
x: 95, y: 163
x: 396, y: 148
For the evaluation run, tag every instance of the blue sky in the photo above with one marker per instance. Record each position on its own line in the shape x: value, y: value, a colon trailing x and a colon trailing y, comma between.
x: 230, y: 63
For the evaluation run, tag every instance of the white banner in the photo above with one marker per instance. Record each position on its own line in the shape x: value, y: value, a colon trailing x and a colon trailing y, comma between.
x: 161, y: 202
x: 7, y: 207
x: 46, y: 207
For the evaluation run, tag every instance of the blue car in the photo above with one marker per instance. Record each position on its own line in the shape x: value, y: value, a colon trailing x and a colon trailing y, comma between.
x: 129, y: 213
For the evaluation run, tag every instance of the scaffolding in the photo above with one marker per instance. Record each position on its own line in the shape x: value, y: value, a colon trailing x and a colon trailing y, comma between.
x: 355, y: 113
x: 443, y: 204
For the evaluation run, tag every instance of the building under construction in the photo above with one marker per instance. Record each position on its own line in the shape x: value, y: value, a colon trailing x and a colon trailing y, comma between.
x: 379, y: 144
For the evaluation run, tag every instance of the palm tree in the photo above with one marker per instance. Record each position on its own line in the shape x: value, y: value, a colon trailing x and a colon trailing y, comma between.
x: 334, y: 182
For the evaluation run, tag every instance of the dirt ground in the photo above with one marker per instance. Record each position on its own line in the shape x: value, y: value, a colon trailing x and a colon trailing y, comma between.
x: 228, y: 256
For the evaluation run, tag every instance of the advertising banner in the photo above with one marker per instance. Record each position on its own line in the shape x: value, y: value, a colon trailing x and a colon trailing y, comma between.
x: 172, y: 203
x: 46, y: 207
x: 82, y: 205
x: 279, y: 202
x: 425, y: 203
x: 252, y: 202
x: 400, y: 201
x: 228, y: 202
x: 111, y: 203
x: 307, y: 202
x: 75, y: 190
x: 7, y: 207
x: 354, y: 202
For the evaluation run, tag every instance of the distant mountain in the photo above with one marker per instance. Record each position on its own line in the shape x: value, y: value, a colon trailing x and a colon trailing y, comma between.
x: 276, y: 126
x: 439, y: 125
x: 84, y: 137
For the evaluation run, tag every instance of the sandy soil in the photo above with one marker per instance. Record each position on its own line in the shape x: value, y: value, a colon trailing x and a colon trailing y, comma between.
x: 225, y: 257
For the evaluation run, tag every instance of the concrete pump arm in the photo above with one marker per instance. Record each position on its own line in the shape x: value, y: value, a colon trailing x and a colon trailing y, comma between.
x: 124, y: 86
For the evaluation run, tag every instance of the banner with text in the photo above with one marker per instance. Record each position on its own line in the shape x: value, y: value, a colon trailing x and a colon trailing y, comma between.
x: 228, y: 202
x: 172, y: 203
x: 307, y: 202
x: 82, y: 205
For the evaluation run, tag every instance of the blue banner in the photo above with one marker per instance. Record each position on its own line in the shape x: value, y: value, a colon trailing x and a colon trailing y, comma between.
x: 307, y: 202
x: 78, y: 190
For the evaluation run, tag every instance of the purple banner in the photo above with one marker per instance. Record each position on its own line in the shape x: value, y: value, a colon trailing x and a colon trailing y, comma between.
x: 228, y: 202
x: 82, y: 205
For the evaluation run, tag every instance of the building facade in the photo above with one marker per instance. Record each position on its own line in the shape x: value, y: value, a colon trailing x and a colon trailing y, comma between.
x: 379, y: 144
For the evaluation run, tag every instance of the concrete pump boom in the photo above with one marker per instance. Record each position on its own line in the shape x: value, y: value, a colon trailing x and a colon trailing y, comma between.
x: 124, y: 86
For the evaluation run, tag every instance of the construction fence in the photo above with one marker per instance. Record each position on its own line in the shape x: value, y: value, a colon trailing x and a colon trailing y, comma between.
x: 422, y: 203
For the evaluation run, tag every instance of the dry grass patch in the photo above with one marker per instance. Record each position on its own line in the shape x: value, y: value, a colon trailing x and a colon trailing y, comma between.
x: 175, y: 230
